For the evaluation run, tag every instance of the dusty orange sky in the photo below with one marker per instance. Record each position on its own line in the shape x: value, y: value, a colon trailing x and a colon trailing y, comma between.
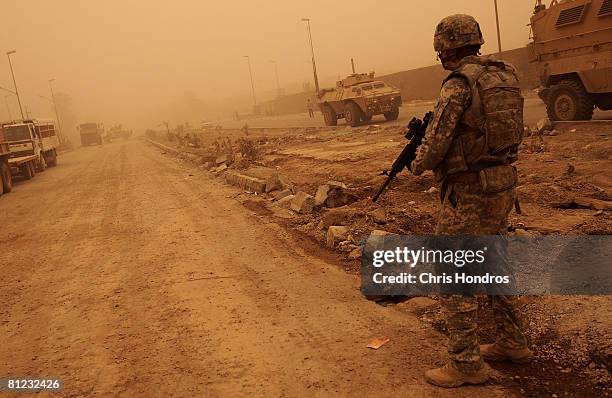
x: 128, y: 61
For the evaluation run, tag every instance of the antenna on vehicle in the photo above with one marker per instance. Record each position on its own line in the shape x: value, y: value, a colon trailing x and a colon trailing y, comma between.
x: 353, y: 65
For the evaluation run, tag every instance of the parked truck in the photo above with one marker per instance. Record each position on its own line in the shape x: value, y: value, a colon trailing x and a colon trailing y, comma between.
x: 13, y: 163
x: 572, y: 49
x: 91, y: 133
x: 33, y: 137
x: 6, y: 180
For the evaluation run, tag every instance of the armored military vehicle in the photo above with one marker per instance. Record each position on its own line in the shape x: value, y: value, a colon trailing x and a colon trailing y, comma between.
x: 572, y: 49
x: 357, y: 98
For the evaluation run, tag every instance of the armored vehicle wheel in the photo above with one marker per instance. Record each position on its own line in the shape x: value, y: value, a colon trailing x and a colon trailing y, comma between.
x: 352, y: 114
x: 366, y: 118
x: 568, y: 100
x: 392, y: 115
x: 6, y: 178
x: 329, y: 115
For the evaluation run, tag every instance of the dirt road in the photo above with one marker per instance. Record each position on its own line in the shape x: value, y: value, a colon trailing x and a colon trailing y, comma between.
x: 128, y: 274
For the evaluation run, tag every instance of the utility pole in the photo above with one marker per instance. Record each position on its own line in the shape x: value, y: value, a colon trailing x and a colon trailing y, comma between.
x: 59, y: 125
x: 8, y: 55
x: 314, y: 65
x: 499, y: 47
x: 252, y: 84
x: 277, y: 81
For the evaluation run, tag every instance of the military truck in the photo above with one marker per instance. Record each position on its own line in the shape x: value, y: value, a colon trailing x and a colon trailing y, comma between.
x: 33, y: 137
x: 357, y: 98
x: 572, y: 49
x: 91, y: 133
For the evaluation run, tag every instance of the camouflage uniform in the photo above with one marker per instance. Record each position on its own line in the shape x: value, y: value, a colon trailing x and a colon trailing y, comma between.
x: 455, y: 148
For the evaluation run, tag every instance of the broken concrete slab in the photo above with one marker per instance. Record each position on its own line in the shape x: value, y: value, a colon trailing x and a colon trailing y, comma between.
x: 302, y: 203
x: 379, y: 216
x: 336, y: 234
x: 334, y: 194
x: 286, y: 201
x: 338, y: 216
x: 278, y: 195
x: 219, y: 169
x: 245, y: 182
x: 278, y: 182
x: 222, y: 159
x: 584, y: 203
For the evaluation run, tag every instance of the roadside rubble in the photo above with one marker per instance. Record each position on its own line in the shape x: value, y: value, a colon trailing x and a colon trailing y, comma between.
x: 319, y: 183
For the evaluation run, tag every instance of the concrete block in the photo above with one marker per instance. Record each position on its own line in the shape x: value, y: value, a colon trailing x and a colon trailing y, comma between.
x: 278, y: 195
x: 302, y: 203
x: 286, y: 201
x: 278, y: 182
x: 336, y: 234
x: 245, y: 182
x: 334, y: 194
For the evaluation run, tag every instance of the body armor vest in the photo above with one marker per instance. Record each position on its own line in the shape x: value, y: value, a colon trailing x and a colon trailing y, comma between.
x: 491, y: 128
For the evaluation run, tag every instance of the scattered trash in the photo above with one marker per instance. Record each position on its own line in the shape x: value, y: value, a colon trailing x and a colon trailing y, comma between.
x: 378, y: 342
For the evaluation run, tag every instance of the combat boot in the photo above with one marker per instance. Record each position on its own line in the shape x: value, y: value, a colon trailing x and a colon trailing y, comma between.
x: 448, y: 377
x: 495, y: 352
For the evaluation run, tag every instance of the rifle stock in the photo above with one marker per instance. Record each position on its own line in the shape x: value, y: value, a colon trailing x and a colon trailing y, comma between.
x: 415, y: 133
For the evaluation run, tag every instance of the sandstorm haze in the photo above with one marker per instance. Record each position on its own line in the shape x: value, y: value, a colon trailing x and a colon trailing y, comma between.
x: 139, y: 62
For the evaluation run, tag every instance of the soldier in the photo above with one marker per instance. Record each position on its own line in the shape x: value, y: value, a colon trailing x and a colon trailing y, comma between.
x: 310, y: 108
x: 470, y: 144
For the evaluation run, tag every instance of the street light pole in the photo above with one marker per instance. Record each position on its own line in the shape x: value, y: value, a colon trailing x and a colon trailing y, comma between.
x: 59, y: 125
x: 8, y: 55
x: 499, y: 47
x: 277, y: 81
x: 314, y: 65
x: 251, y: 74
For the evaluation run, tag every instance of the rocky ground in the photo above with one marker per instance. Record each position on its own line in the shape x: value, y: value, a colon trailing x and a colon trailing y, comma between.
x: 319, y: 178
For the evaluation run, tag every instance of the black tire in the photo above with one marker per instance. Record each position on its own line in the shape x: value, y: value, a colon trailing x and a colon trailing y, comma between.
x: 392, y: 115
x: 568, y: 100
x: 41, y: 164
x: 330, y: 117
x: 27, y: 170
x: 52, y: 161
x: 366, y: 118
x: 352, y: 114
x: 6, y: 178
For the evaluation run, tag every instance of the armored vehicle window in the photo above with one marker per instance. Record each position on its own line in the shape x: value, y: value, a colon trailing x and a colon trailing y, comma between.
x: 606, y: 8
x: 379, y: 85
x: 357, y: 90
x: 570, y: 15
x: 367, y: 87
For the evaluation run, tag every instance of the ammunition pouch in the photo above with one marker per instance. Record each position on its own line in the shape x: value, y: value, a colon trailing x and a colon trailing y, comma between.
x: 498, y: 178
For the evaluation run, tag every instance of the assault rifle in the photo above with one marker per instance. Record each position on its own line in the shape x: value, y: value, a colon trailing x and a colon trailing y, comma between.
x: 415, y: 133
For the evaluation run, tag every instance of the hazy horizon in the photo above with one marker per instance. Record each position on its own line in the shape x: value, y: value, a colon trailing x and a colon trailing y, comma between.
x: 136, y: 62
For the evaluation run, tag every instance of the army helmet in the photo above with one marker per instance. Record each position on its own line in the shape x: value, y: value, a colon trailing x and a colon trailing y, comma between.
x: 457, y: 31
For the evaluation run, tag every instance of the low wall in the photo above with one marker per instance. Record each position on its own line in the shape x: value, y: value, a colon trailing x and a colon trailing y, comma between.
x: 416, y: 84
